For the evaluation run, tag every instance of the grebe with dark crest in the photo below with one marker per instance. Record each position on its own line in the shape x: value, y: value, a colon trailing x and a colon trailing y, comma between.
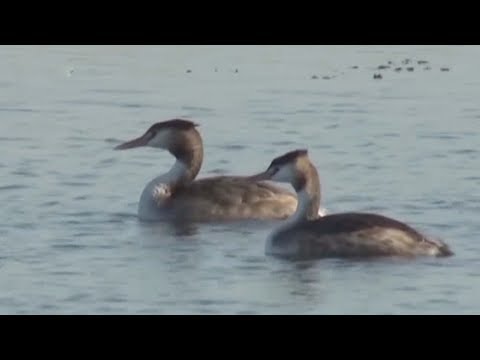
x: 177, y: 195
x: 343, y: 235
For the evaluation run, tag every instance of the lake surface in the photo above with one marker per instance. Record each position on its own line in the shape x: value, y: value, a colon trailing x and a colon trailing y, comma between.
x: 406, y: 145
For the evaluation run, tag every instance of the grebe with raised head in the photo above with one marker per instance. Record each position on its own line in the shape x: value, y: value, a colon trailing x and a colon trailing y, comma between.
x: 175, y: 195
x: 344, y: 235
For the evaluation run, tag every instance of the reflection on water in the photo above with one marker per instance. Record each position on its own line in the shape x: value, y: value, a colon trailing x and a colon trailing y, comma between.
x: 178, y: 229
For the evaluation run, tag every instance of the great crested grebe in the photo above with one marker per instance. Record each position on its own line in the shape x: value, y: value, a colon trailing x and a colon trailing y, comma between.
x: 341, y: 235
x: 175, y: 195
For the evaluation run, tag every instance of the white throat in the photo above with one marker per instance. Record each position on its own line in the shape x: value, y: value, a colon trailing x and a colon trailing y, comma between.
x: 304, y: 199
x: 178, y: 170
x: 303, y: 204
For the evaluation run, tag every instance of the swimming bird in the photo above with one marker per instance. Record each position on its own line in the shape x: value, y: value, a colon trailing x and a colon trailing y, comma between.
x: 341, y: 235
x: 177, y: 195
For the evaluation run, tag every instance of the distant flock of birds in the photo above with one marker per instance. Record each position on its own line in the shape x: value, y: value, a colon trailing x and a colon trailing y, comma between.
x: 409, y: 68
x: 406, y: 64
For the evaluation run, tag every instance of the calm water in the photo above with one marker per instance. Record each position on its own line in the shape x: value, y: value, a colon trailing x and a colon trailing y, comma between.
x: 406, y: 145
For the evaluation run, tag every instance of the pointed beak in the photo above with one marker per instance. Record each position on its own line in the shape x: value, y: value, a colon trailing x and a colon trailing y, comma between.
x: 264, y: 175
x: 141, y: 141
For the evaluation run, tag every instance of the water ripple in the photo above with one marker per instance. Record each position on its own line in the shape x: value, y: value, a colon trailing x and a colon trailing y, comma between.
x: 77, y: 297
x: 15, y: 139
x: 4, y: 109
x: 13, y: 187
x: 198, y: 108
x: 232, y: 147
x: 24, y: 172
x: 106, y: 103
x: 75, y: 183
x: 50, y: 203
x: 120, y: 91
x: 68, y: 246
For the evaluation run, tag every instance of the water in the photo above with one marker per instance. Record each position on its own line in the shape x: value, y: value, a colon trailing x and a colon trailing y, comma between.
x: 406, y: 145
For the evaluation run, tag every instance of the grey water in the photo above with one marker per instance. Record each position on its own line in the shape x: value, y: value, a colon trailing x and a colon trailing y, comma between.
x: 406, y: 145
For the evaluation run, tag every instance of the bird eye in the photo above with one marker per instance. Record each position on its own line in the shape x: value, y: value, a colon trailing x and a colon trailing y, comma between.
x: 274, y: 170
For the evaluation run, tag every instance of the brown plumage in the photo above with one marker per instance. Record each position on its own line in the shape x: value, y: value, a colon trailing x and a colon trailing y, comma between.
x: 350, y: 234
x: 355, y: 235
x: 179, y: 195
x: 231, y: 198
